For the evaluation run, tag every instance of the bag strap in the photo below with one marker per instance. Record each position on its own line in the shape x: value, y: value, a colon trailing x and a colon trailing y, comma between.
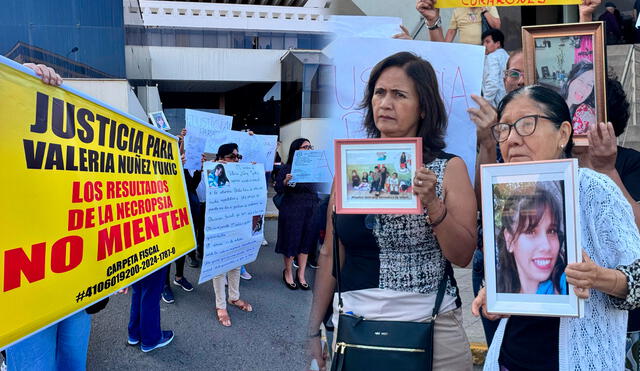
x: 336, y: 258
x: 442, y: 286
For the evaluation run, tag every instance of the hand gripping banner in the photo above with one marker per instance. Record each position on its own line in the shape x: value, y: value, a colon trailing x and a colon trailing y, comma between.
x: 92, y: 201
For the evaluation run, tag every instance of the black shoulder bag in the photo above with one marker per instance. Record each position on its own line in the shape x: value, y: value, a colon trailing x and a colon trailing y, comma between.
x: 363, y: 344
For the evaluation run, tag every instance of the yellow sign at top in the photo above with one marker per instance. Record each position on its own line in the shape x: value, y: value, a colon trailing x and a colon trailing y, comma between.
x: 484, y: 3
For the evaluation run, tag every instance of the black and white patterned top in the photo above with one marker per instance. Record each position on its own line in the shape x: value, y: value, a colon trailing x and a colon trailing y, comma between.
x: 394, y: 252
x: 632, y: 301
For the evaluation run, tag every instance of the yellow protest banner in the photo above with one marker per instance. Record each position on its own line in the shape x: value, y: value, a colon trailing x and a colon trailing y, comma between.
x: 92, y: 201
x: 485, y: 3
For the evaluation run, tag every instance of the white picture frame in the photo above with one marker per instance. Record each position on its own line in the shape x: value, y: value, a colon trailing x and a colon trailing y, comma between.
x: 531, y: 231
x: 159, y: 120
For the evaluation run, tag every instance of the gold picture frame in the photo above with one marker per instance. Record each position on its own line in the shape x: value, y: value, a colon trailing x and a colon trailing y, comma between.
x: 570, y: 52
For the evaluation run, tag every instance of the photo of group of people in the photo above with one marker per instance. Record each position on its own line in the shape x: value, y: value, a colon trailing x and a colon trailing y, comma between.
x: 529, y: 224
x: 379, y: 174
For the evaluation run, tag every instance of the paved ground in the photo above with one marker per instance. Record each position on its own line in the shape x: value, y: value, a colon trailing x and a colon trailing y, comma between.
x: 270, y: 338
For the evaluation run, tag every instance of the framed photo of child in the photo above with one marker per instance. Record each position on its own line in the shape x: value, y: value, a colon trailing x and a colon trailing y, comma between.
x: 570, y: 59
x: 531, y: 232
x: 375, y: 176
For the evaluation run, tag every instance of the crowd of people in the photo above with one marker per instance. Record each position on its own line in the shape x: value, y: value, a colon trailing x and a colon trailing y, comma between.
x: 395, y: 267
x: 413, y: 253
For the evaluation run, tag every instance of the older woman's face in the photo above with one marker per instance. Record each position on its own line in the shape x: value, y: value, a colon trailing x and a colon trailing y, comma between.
x: 546, y: 140
x: 395, y: 105
x: 535, y: 251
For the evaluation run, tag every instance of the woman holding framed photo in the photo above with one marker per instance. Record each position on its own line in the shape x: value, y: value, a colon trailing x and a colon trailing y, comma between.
x: 394, y: 265
x: 534, y: 124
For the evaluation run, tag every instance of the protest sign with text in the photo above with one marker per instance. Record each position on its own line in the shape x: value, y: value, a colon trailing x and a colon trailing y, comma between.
x: 201, y: 125
x: 94, y: 200
x: 311, y: 167
x: 234, y: 216
x: 458, y: 68
x: 485, y: 3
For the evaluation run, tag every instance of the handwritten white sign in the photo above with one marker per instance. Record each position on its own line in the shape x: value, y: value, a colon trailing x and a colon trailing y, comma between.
x: 200, y: 126
x: 458, y: 68
x: 310, y: 167
x: 234, y: 216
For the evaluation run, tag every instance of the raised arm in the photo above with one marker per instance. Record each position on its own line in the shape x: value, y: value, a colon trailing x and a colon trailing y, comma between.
x: 431, y: 15
x: 484, y: 117
x: 491, y: 14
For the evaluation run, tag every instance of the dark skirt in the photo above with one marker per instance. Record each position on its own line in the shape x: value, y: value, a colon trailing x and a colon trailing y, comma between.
x: 297, y: 233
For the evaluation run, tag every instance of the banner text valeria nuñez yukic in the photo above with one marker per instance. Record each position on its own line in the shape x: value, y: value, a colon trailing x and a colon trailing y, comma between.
x: 94, y: 200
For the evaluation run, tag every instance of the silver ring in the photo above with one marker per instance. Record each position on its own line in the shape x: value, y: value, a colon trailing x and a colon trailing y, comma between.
x: 419, y: 182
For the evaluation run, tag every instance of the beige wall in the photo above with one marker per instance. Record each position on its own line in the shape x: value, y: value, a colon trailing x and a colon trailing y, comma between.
x: 313, y: 129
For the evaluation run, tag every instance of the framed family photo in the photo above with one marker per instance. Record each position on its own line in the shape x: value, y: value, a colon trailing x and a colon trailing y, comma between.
x: 570, y: 59
x: 375, y: 176
x: 530, y: 233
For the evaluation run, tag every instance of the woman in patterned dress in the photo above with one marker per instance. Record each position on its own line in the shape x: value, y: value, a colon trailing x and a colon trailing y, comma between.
x: 393, y: 263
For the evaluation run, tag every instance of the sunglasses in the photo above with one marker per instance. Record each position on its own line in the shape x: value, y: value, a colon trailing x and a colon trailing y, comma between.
x: 513, y: 74
x: 233, y: 156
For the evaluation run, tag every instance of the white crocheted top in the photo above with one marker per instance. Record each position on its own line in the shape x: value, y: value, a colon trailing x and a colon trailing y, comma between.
x: 610, y: 237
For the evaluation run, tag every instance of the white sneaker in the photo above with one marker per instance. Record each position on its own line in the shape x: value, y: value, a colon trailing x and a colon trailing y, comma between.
x: 246, y: 275
x: 265, y: 243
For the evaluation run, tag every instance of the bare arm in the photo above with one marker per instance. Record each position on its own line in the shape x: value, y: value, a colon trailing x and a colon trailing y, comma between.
x: 484, y: 117
x: 456, y: 233
x: 451, y: 34
x: 431, y: 14
x: 324, y: 286
x: 494, y: 22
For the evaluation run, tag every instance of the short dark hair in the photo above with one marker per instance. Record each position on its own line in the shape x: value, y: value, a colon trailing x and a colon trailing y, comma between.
x: 617, y: 105
x: 552, y: 104
x: 433, y: 125
x: 496, y: 36
x: 226, y: 150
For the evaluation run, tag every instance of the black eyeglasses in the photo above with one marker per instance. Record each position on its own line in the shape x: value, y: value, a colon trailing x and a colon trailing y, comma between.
x: 233, y: 156
x: 308, y: 146
x: 524, y: 126
x: 513, y: 74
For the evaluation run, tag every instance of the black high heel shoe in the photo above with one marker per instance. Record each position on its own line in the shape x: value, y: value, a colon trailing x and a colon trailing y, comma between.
x: 303, y: 286
x: 290, y: 286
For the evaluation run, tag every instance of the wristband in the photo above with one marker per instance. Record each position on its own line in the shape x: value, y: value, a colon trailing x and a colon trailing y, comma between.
x: 435, y: 25
x: 435, y: 223
x: 315, y: 335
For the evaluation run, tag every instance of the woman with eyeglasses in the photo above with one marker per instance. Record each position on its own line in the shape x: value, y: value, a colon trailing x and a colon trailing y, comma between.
x: 227, y: 153
x: 534, y: 124
x: 296, y: 233
x: 394, y: 263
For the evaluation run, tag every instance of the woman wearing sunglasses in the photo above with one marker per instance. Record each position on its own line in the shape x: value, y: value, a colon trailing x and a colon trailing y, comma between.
x: 228, y: 153
x: 296, y: 236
